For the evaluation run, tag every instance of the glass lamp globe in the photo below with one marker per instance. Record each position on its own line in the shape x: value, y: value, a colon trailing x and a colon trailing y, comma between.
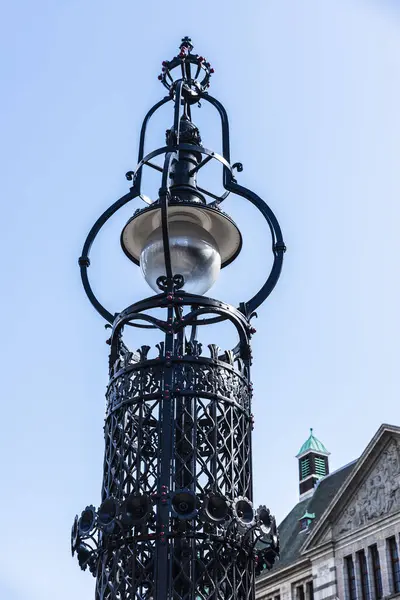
x: 202, y: 240
x: 194, y: 255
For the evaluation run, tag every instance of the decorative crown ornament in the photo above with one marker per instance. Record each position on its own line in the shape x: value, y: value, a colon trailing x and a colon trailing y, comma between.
x: 194, y: 84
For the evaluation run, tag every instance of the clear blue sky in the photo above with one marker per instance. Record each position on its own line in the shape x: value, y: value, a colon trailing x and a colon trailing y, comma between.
x: 312, y: 90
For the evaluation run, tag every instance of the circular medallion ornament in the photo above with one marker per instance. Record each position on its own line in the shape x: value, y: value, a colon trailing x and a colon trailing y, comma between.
x: 243, y: 512
x: 74, y: 536
x: 274, y: 534
x: 215, y: 509
x: 184, y: 504
x: 87, y: 521
x: 107, y: 512
x: 136, y: 510
x: 264, y: 519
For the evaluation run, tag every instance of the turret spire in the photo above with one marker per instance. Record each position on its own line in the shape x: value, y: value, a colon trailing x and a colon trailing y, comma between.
x: 313, y: 464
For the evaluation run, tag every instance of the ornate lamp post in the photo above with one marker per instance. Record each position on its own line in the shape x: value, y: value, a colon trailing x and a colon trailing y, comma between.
x: 176, y: 518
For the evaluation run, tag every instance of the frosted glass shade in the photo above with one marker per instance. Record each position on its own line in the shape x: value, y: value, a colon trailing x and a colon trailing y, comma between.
x: 203, y: 240
x: 194, y: 255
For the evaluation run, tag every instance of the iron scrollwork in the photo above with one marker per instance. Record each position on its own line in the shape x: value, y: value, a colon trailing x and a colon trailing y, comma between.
x: 211, y: 540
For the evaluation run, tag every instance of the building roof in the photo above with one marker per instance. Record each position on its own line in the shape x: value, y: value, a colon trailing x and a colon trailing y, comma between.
x: 312, y: 444
x: 291, y: 536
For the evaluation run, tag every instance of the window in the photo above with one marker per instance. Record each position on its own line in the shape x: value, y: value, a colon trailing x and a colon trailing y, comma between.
x: 395, y: 566
x: 278, y: 597
x: 376, y: 571
x: 320, y: 466
x: 305, y: 467
x: 306, y: 519
x: 300, y: 593
x: 351, y: 578
x: 310, y: 590
x: 304, y: 524
x: 362, y: 563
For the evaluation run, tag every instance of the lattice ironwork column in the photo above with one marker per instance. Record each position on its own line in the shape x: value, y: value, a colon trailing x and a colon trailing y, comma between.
x: 176, y: 518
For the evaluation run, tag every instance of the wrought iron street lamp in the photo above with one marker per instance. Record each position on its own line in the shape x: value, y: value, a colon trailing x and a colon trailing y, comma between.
x: 176, y: 518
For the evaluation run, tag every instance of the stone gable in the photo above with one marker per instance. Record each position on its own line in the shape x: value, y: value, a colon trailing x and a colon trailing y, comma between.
x: 378, y: 495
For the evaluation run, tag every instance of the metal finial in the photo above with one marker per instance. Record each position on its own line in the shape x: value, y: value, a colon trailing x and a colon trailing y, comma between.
x: 194, y: 70
x: 186, y: 43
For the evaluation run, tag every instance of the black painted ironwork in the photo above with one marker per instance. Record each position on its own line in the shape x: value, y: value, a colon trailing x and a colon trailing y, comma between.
x: 176, y: 518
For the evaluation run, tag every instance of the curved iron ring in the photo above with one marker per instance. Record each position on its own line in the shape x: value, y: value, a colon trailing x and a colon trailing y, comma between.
x: 143, y: 132
x: 184, y: 299
x: 228, y: 313
x: 84, y: 260
x: 278, y: 246
x: 176, y: 148
x: 119, y: 324
x: 230, y: 185
x: 240, y: 327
